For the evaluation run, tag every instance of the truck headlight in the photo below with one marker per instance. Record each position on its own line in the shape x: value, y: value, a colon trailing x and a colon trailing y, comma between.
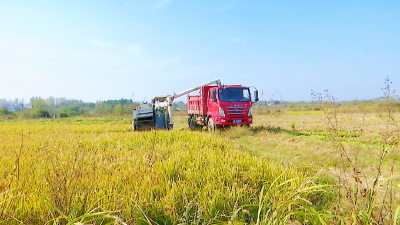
x: 221, y: 112
x: 250, y: 111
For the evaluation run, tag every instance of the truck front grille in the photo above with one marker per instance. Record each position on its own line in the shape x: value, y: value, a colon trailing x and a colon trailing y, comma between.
x: 236, y: 110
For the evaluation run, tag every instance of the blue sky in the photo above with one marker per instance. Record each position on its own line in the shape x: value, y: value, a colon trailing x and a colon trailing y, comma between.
x: 100, y: 50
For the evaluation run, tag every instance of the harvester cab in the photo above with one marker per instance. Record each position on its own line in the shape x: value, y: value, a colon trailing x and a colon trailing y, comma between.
x: 153, y: 115
x: 162, y: 112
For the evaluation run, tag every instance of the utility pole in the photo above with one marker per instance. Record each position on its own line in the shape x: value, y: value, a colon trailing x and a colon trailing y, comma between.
x: 262, y: 96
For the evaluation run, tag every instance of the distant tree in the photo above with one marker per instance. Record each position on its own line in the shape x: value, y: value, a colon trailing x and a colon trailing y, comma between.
x: 102, y: 108
x: 40, y: 108
x: 118, y: 109
x: 51, y: 101
x: 39, y: 103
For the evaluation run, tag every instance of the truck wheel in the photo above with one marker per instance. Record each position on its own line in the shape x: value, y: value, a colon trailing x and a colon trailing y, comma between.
x: 134, y: 126
x: 194, y: 123
x: 190, y: 121
x: 210, y: 125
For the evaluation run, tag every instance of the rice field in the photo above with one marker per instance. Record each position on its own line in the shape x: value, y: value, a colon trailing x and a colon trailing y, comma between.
x: 97, y: 171
x: 100, y: 173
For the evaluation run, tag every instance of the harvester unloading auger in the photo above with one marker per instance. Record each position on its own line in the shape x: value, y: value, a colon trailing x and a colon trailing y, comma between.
x: 217, y: 105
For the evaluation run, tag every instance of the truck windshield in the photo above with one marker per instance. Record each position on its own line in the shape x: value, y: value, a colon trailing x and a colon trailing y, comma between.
x: 234, y: 94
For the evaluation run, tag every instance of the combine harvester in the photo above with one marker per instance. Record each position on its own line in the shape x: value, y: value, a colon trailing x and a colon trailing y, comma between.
x: 216, y: 106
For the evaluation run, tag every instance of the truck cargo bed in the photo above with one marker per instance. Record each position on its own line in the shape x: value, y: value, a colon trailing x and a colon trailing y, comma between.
x: 197, y: 104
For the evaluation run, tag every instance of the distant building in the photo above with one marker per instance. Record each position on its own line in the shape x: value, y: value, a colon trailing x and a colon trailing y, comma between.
x: 273, y: 102
x: 18, y: 107
x: 9, y: 107
x: 28, y: 106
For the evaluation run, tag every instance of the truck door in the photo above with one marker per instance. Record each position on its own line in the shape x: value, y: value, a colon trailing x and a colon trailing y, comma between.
x: 212, y: 106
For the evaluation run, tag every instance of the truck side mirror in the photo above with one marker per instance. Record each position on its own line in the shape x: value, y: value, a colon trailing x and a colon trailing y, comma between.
x: 214, y: 96
x: 256, y: 96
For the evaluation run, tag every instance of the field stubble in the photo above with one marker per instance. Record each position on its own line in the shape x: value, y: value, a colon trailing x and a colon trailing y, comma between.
x: 370, y: 143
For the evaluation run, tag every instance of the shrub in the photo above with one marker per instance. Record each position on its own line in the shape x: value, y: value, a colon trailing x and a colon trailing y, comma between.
x: 4, y: 111
x: 6, y: 114
x: 41, y: 113
x: 63, y: 115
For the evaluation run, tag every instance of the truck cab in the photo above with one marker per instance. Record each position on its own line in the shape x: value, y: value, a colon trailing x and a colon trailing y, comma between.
x: 220, y: 106
x: 229, y: 105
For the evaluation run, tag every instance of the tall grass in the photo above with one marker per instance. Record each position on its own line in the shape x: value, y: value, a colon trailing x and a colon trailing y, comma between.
x: 366, y: 201
x: 100, y: 173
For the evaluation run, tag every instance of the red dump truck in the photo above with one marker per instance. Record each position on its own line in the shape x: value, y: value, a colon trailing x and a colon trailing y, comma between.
x: 216, y: 106
x: 220, y: 105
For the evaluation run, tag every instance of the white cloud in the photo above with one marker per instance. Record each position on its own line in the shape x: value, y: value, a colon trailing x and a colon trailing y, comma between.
x: 161, y: 4
x: 236, y: 40
x: 98, y: 43
x: 229, y: 6
x: 135, y: 49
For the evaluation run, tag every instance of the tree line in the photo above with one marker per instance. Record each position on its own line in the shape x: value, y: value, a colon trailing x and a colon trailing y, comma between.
x: 62, y: 107
x: 51, y: 107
